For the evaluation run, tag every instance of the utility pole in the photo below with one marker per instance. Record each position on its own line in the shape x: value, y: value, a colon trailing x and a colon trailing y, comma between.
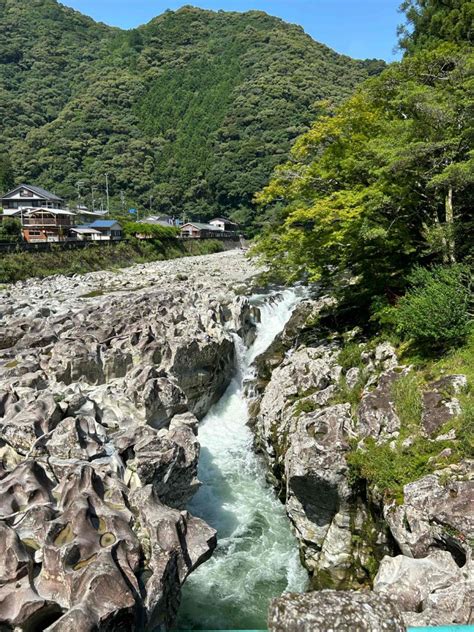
x: 122, y: 200
x: 79, y: 186
x: 107, y: 191
x: 93, y: 190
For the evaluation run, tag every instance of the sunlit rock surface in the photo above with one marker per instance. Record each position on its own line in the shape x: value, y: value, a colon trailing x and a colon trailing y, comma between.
x: 308, y: 414
x: 331, y: 611
x: 102, y: 380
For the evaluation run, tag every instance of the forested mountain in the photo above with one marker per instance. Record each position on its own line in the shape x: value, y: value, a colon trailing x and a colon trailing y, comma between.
x: 194, y: 109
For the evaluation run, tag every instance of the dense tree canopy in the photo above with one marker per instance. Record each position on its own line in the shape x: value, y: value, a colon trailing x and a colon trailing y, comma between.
x: 429, y: 21
x: 384, y: 181
x: 189, y: 113
x: 7, y: 176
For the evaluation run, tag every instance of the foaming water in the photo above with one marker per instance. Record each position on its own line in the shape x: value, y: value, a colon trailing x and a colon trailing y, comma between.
x: 257, y: 555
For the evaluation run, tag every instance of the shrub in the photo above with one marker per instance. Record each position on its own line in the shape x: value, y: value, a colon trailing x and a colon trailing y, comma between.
x: 157, y: 231
x: 10, y: 229
x: 435, y: 311
x: 388, y: 468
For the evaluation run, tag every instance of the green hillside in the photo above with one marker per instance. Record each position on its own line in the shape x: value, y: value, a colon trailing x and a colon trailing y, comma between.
x: 193, y: 110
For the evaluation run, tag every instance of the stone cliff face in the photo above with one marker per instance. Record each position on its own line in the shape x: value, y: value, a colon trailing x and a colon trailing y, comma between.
x: 306, y: 424
x: 102, y: 381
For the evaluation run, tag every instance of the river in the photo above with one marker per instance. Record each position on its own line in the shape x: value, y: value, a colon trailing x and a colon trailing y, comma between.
x: 257, y: 555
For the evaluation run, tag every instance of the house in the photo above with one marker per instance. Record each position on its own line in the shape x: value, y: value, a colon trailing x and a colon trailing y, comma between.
x: 196, y: 230
x: 84, y: 233
x: 29, y: 196
x: 45, y: 224
x: 224, y: 224
x: 109, y: 229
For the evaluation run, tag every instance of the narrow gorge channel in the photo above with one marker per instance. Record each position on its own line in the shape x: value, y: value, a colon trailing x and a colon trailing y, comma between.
x: 257, y: 555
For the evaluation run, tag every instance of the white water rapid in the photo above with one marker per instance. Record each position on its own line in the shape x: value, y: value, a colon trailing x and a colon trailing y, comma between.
x: 257, y: 555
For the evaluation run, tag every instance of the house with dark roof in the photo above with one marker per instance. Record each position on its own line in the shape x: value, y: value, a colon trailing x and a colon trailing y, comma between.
x: 197, y: 230
x: 109, y: 229
x: 29, y: 196
x: 224, y: 224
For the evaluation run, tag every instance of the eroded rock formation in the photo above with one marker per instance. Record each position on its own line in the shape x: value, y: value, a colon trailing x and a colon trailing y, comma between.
x: 102, y: 381
x: 309, y: 413
x: 330, y: 611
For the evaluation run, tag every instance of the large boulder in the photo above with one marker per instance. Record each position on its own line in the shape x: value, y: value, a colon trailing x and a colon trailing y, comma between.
x: 328, y: 611
x: 377, y: 415
x: 409, y: 581
x: 439, y: 402
x: 438, y: 510
x: 318, y: 493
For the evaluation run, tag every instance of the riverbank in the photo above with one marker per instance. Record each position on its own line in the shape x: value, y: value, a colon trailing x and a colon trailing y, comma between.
x: 370, y: 448
x: 18, y: 266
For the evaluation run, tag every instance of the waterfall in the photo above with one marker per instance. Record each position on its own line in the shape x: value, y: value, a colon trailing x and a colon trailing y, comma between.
x: 257, y: 555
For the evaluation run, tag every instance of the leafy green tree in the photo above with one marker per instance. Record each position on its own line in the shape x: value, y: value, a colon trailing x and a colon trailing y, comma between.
x: 10, y: 229
x: 7, y: 176
x: 429, y: 21
x: 381, y: 183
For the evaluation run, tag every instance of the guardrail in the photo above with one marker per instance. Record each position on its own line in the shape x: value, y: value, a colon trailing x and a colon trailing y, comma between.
x: 8, y: 247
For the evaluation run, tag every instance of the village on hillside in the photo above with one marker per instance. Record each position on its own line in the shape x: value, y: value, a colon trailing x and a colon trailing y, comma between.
x: 46, y: 218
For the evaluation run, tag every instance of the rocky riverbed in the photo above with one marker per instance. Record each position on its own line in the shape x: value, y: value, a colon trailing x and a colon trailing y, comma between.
x: 103, y: 379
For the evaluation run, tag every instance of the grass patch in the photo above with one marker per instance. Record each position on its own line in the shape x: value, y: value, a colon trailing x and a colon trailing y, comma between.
x: 350, y: 356
x: 352, y: 395
x: 389, y: 469
x: 305, y: 406
x: 408, y: 402
x: 93, y: 294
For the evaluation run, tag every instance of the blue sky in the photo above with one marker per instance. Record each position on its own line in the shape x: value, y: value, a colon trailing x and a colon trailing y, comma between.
x: 359, y: 28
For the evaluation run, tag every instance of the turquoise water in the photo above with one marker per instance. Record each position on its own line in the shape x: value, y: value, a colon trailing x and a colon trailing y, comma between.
x: 257, y: 555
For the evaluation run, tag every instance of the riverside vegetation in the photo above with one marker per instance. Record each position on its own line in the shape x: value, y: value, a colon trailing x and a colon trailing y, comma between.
x: 18, y: 266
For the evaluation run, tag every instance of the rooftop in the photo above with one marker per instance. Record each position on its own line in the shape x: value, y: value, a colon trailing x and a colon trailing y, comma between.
x: 223, y: 219
x: 29, y: 210
x: 37, y: 190
x: 200, y: 226
x: 103, y: 223
x: 82, y: 230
